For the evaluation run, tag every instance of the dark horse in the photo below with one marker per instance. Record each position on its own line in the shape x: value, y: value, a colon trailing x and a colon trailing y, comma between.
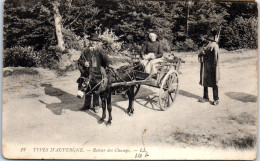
x: 123, y: 74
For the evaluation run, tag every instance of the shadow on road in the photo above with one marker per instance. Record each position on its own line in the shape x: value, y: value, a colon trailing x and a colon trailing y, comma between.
x: 121, y: 108
x: 94, y: 115
x: 150, y: 101
x: 240, y: 96
x: 148, y: 98
x: 145, y: 97
x: 68, y: 101
x: 188, y: 94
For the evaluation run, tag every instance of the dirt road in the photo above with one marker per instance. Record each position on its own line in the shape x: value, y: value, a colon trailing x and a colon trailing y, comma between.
x: 41, y: 109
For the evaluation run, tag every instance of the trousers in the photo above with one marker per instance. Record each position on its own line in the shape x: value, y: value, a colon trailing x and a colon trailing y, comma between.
x: 215, y: 92
x: 88, y: 101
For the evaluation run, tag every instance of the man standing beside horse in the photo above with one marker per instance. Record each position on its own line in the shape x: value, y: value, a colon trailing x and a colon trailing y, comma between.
x: 92, y: 64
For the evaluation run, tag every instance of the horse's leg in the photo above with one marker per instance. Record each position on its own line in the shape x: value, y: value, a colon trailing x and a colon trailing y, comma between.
x: 109, y: 108
x: 130, y: 94
x: 103, y: 100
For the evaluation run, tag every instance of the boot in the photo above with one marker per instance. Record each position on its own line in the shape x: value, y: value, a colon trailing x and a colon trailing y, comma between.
x: 96, y: 109
x: 203, y: 100
x: 215, y: 102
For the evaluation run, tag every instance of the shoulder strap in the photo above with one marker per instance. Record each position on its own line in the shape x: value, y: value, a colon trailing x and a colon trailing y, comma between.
x: 83, y: 55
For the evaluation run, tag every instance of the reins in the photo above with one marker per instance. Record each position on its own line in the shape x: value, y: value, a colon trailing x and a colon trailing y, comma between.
x: 94, y: 86
x: 113, y: 73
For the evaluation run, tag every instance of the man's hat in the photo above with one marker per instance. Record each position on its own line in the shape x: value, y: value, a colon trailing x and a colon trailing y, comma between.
x: 211, y: 38
x: 94, y: 37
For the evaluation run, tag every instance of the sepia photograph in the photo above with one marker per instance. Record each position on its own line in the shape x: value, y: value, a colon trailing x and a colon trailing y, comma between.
x: 130, y: 79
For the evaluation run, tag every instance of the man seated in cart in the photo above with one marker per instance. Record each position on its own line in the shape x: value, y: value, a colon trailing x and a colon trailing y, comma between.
x: 151, y: 54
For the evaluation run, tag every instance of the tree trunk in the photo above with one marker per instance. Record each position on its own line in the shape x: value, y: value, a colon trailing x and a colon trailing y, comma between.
x: 58, y: 26
x: 188, y: 19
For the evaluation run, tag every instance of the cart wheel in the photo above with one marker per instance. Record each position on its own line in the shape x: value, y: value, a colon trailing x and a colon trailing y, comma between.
x: 136, y: 89
x: 168, y: 90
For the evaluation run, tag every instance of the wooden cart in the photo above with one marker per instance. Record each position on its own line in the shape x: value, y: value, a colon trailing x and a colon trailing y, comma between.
x: 167, y: 80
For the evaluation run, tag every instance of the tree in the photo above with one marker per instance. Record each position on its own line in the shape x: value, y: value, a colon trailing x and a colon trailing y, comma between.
x: 27, y: 24
x: 205, y: 17
x: 32, y: 23
x: 80, y: 16
x: 58, y: 25
x: 135, y: 18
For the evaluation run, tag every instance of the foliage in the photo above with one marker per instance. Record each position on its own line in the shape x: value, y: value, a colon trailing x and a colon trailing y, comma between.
x: 136, y: 18
x: 110, y: 41
x: 181, y: 25
x: 50, y: 57
x: 28, y: 57
x: 20, y: 56
x: 242, y: 33
x: 187, y: 45
x: 26, y: 24
x: 81, y: 16
x: 205, y: 17
x: 72, y: 41
x: 166, y: 45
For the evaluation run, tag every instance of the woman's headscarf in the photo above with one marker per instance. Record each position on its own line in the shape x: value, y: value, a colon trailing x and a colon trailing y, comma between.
x: 152, y: 37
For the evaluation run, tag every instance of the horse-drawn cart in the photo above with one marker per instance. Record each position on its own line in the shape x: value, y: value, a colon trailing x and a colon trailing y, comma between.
x: 166, y: 79
x: 128, y: 79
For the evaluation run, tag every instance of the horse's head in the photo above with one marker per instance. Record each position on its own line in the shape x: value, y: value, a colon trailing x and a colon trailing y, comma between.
x: 83, y: 83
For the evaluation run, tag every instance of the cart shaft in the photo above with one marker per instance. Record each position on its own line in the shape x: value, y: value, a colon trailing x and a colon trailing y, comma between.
x: 129, y: 83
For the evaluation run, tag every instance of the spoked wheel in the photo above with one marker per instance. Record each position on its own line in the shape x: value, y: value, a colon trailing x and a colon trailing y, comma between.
x: 168, y: 90
x: 136, y: 90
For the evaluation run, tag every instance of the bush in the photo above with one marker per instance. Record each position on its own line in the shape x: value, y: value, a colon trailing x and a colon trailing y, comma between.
x: 166, y: 45
x: 49, y: 58
x: 83, y: 42
x: 27, y: 57
x: 241, y: 33
x: 21, y: 56
x: 110, y: 41
x: 187, y: 45
x: 71, y: 40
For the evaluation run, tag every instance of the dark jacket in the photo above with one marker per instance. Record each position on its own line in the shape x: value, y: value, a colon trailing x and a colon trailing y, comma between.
x: 96, y: 59
x: 209, y: 69
x: 152, y: 47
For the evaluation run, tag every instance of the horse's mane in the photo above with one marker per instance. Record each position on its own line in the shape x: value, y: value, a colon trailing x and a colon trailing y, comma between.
x: 122, y: 73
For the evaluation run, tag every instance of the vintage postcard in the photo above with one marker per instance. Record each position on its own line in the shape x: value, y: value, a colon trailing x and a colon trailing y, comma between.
x: 129, y: 79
